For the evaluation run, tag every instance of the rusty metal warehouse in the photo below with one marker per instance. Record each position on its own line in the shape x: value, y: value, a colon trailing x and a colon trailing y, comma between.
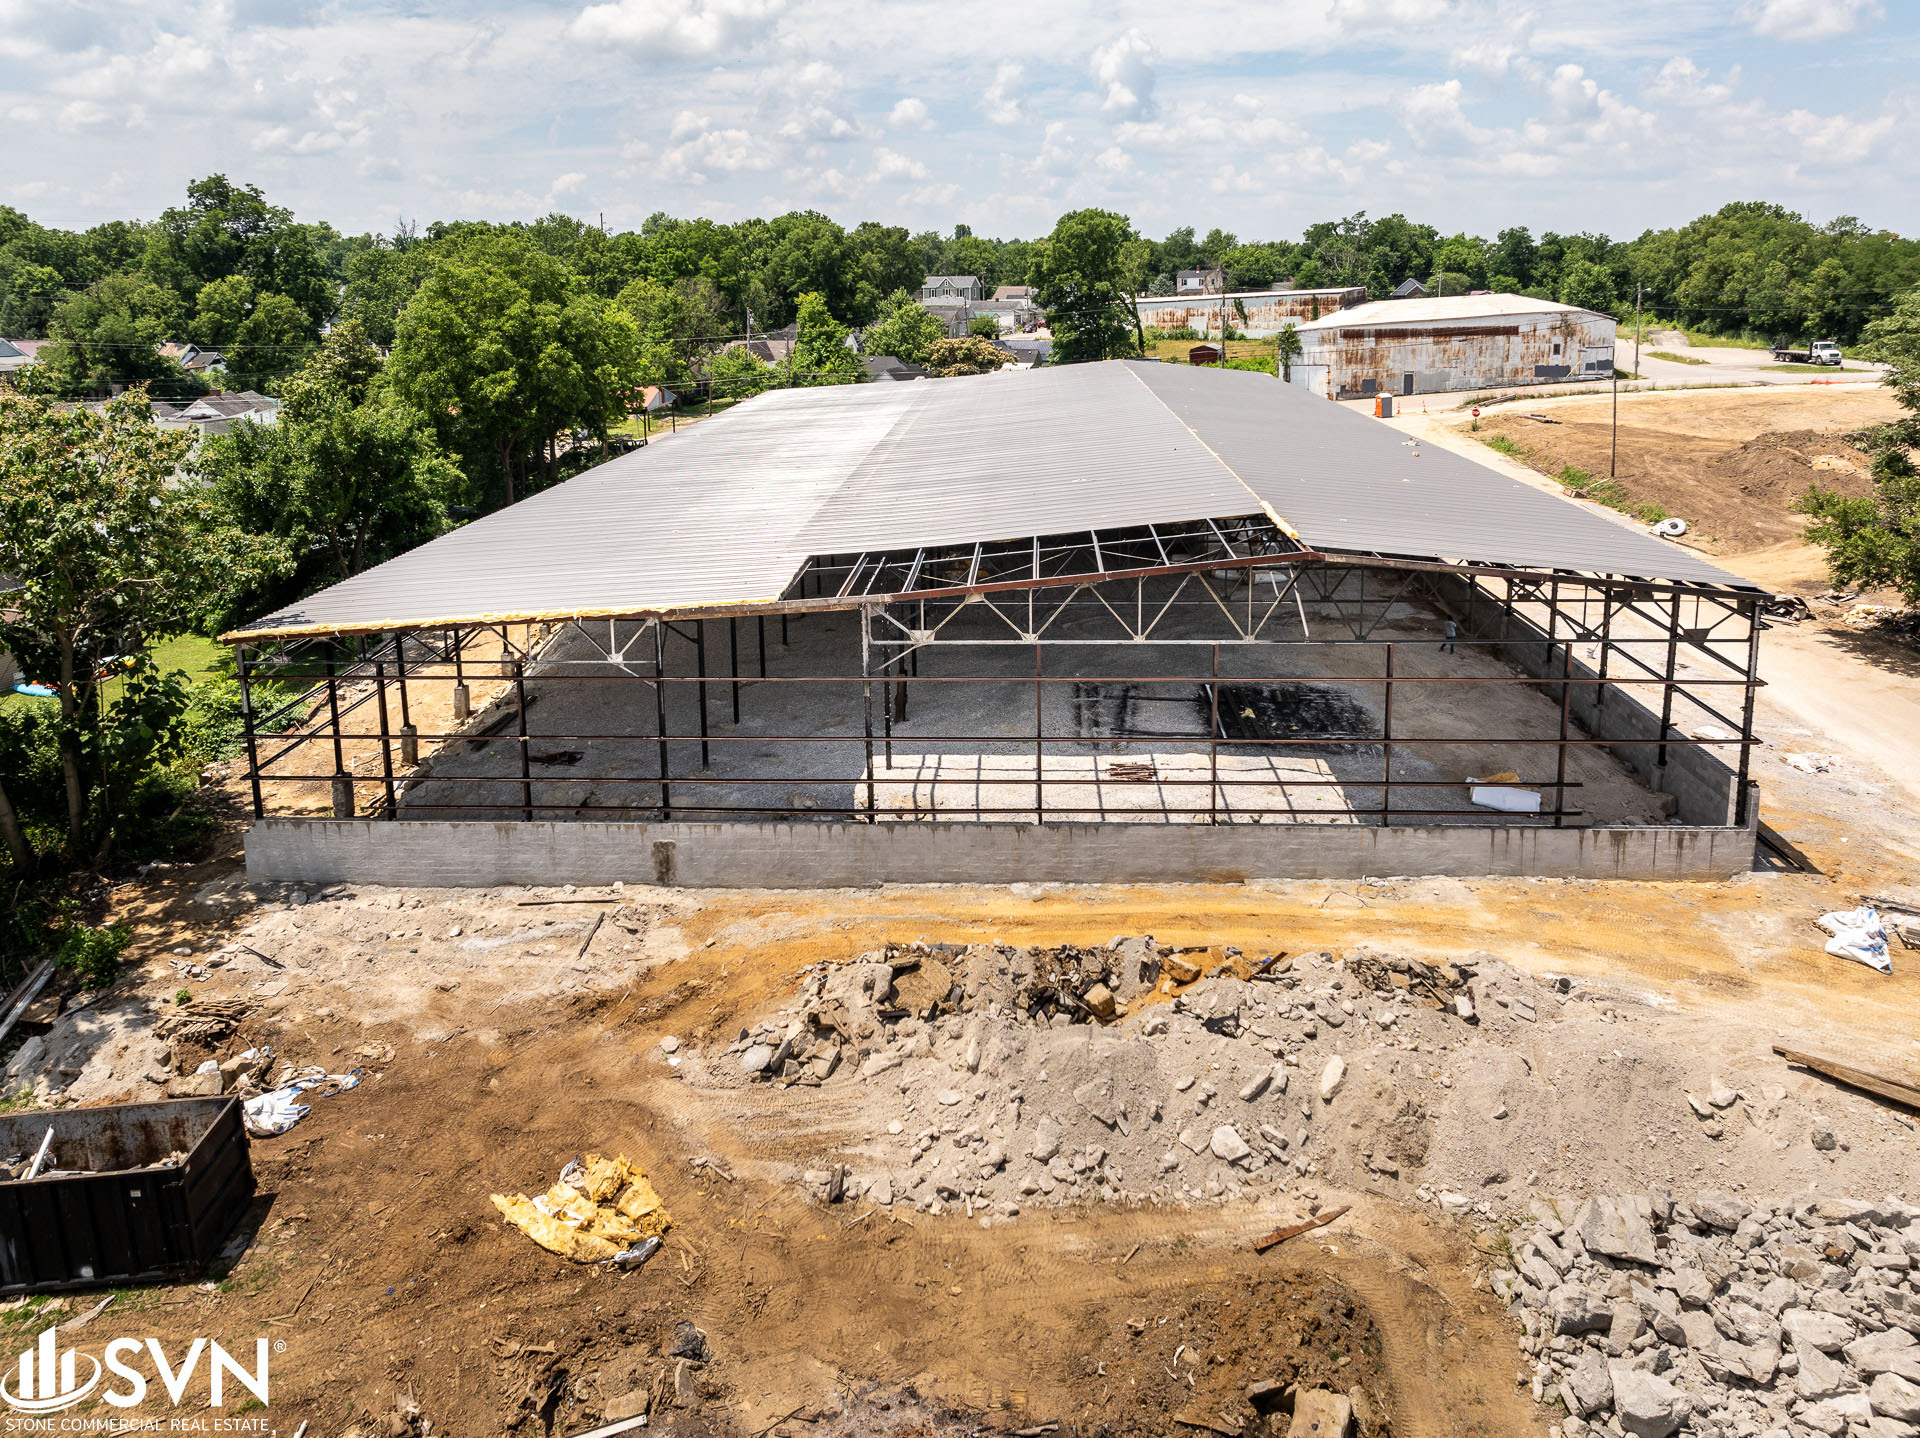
x: 1203, y: 625
x: 1430, y: 346
x: 1255, y: 313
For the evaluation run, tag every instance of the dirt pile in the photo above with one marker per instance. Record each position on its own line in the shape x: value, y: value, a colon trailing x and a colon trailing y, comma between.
x: 988, y: 1079
x: 1722, y: 1314
x: 1737, y: 495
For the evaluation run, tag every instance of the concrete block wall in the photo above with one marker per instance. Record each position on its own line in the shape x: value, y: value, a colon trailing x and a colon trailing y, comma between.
x: 1702, y: 784
x: 772, y: 854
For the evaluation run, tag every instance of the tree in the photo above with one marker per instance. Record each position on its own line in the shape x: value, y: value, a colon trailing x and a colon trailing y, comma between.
x: 227, y: 229
x: 903, y: 329
x: 347, y: 478
x: 108, y: 550
x: 677, y: 322
x: 1589, y: 286
x: 1875, y: 539
x: 737, y: 373
x: 1080, y: 279
x: 821, y: 354
x: 987, y: 327
x: 502, y: 348
x: 110, y: 334
x: 1287, y: 346
x: 969, y: 354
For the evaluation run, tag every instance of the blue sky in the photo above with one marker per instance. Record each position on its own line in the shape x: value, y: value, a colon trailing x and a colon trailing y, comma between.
x: 1611, y: 115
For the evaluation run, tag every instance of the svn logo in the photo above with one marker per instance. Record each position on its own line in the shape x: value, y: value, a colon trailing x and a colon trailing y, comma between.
x: 50, y: 1380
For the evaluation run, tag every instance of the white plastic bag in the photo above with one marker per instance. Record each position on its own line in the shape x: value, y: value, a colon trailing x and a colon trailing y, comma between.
x: 277, y: 1111
x: 1858, y: 935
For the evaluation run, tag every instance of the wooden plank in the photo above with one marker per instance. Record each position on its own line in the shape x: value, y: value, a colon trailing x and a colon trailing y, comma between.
x: 1892, y: 1089
x: 1281, y: 1235
x: 28, y: 991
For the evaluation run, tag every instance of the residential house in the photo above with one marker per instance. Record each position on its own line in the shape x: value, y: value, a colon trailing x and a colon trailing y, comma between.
x: 961, y: 288
x: 217, y: 413
x: 1200, y: 282
x: 14, y: 359
x: 1409, y: 289
x: 885, y: 369
x: 197, y: 358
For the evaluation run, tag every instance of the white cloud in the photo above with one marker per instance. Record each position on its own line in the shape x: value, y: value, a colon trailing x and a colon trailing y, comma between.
x: 1124, y: 70
x: 677, y: 29
x: 1001, y: 101
x: 699, y: 149
x: 910, y: 114
x: 1434, y: 119
x: 892, y: 165
x: 566, y: 184
x: 1800, y: 20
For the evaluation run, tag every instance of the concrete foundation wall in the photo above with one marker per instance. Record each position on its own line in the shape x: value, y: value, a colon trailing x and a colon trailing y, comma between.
x: 781, y: 855
x: 1703, y: 787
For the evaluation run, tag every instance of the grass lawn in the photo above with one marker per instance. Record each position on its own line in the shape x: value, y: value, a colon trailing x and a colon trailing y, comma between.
x: 1670, y: 356
x: 1177, y: 350
x: 1819, y: 369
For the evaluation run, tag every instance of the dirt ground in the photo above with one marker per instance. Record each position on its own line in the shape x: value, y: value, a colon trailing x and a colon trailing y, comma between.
x: 1729, y: 462
x: 495, y: 1054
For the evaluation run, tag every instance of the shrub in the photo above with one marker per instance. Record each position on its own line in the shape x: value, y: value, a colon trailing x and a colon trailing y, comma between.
x: 1503, y: 444
x: 93, y: 954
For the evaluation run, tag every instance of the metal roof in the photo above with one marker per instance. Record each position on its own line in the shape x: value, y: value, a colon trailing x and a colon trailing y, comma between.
x: 1382, y: 313
x: 726, y: 513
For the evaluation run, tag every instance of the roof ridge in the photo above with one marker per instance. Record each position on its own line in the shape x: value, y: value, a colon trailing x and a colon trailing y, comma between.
x: 1279, y: 519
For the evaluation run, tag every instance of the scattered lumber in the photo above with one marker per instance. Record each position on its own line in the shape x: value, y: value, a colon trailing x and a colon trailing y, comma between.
x: 1281, y: 1235
x: 1880, y: 1085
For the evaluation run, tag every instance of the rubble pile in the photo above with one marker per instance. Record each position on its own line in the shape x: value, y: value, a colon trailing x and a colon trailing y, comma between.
x: 1131, y: 1072
x: 1726, y: 1316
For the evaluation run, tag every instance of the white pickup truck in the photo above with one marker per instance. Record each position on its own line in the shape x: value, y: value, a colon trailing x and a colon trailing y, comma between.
x: 1821, y: 352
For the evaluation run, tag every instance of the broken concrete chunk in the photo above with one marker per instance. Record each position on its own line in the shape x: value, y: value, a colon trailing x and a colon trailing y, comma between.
x: 1647, y: 1405
x: 1047, y: 1135
x: 1577, y: 1309
x: 1720, y: 1096
x: 1809, y: 1328
x: 1894, y: 1397
x: 1099, y: 998
x: 1320, y: 1414
x: 1588, y: 1387
x: 1721, y: 1210
x: 1894, y: 1351
x: 1821, y: 1377
x: 1256, y: 1086
x: 1617, y: 1227
x: 1228, y: 1146
x: 1179, y: 968
x: 1332, y: 1077
x: 1096, y: 1097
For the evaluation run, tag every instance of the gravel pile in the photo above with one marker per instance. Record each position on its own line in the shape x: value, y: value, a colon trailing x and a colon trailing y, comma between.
x: 1723, y: 1316
x: 1132, y: 1072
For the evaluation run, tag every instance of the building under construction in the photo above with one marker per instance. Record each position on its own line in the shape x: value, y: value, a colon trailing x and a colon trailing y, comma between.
x: 1120, y: 621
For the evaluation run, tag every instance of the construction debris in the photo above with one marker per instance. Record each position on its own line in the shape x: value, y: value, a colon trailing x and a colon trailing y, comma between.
x: 1724, y: 1314
x: 602, y: 1210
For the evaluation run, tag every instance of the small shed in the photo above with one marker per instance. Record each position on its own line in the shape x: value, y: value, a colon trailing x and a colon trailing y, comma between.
x: 1206, y: 354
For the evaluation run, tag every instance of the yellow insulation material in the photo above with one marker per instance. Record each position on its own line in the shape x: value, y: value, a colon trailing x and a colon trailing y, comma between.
x: 596, y: 1210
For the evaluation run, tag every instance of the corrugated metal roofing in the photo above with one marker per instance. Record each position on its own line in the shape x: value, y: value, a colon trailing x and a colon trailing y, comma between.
x: 1348, y: 482
x: 728, y: 512
x: 1442, y: 307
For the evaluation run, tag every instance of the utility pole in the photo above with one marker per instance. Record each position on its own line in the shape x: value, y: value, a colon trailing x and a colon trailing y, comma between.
x: 1638, y: 327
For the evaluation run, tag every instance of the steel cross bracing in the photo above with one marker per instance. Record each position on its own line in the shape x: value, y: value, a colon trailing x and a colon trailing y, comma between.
x: 1246, y: 579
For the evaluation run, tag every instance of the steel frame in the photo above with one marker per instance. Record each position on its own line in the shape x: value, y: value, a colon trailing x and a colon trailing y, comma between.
x: 1243, y: 575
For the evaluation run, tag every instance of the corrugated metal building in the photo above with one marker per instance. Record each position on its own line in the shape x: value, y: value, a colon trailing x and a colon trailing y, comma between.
x: 1265, y: 311
x: 1462, y: 342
